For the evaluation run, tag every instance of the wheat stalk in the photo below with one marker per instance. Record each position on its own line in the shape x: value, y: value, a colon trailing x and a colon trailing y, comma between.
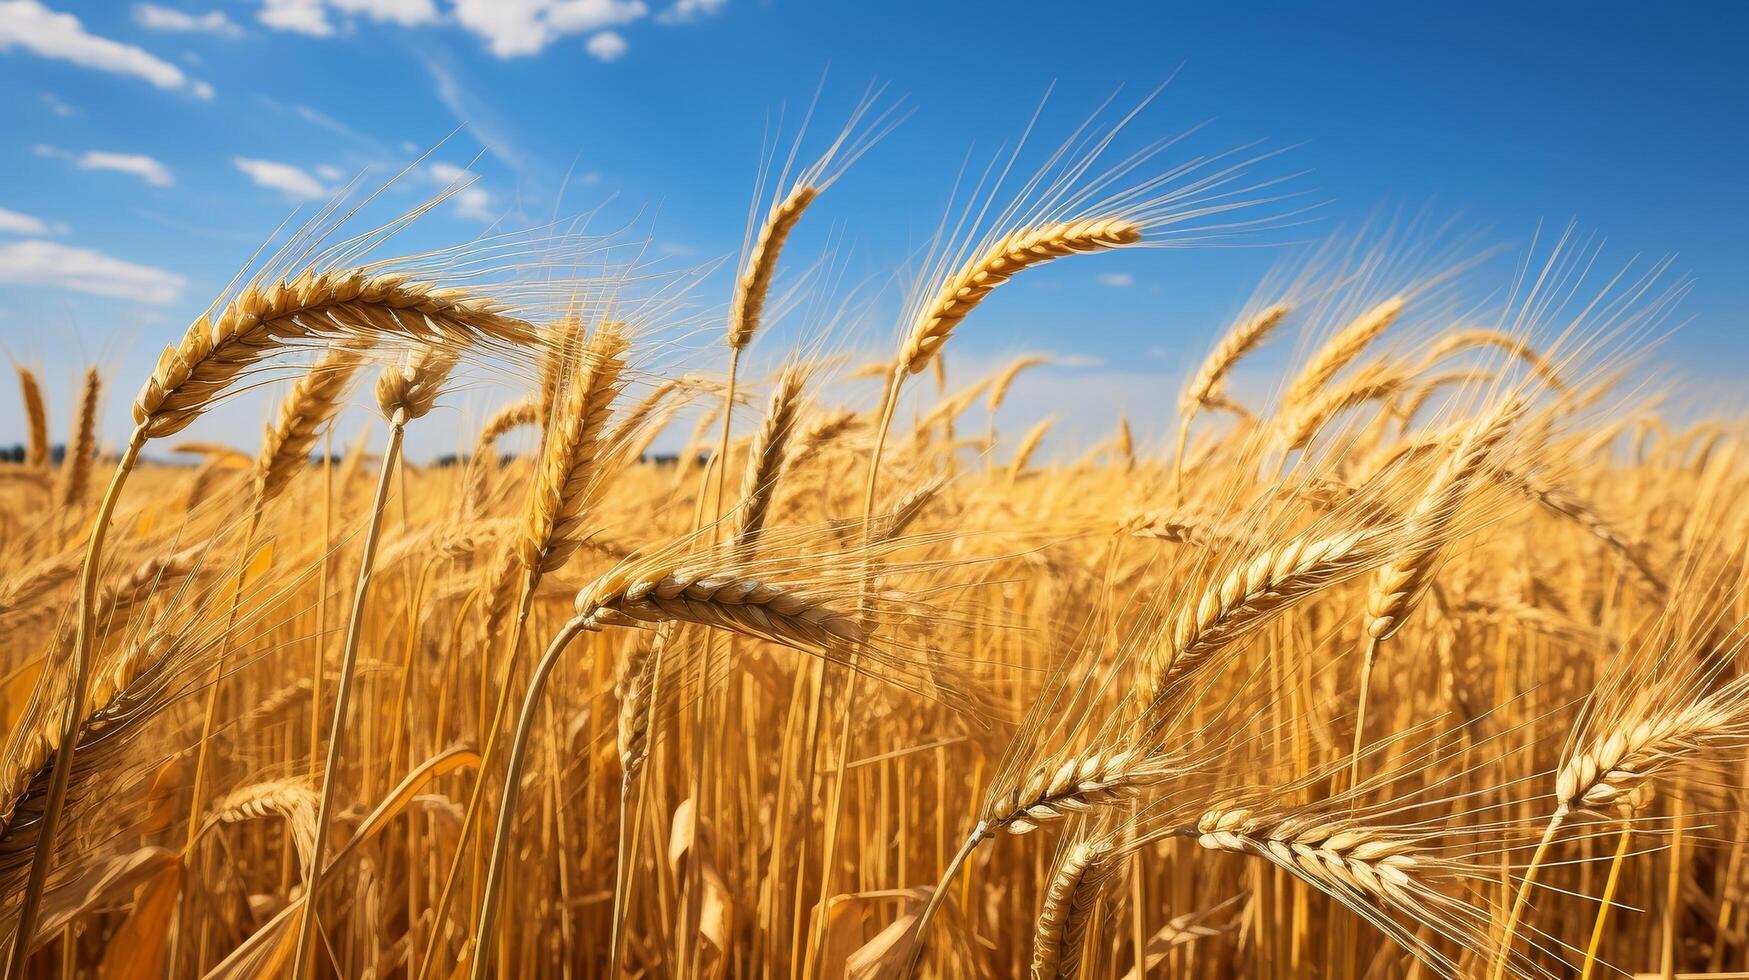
x: 404, y: 392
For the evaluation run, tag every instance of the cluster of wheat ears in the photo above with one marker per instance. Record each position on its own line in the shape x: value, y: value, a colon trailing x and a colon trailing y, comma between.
x: 1425, y: 661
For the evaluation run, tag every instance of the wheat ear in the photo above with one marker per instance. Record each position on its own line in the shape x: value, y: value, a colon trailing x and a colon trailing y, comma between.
x: 1459, y: 341
x: 719, y: 599
x: 1243, y: 338
x: 1564, y: 502
x: 571, y: 450
x: 633, y: 686
x: 482, y: 459
x: 767, y: 456
x: 1618, y: 763
x: 262, y: 319
x: 1246, y: 597
x: 1341, y: 350
x: 1077, y: 884
x: 1004, y: 381
x: 755, y: 281
x: 1081, y: 782
x: 1400, y: 582
x: 311, y: 404
x: 81, y: 444
x: 1618, y: 767
x: 1028, y: 445
x: 36, y: 417
x: 1303, y: 418
x: 22, y: 590
x: 1021, y: 249
x: 290, y: 799
x: 1206, y: 386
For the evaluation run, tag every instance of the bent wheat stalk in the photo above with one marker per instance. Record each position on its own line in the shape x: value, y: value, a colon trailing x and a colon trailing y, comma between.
x: 403, y: 393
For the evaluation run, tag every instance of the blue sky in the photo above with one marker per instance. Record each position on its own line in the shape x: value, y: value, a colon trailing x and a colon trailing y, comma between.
x: 150, y: 147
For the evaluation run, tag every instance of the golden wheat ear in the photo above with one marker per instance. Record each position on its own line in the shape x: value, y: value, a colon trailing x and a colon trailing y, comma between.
x: 307, y: 409
x: 36, y: 417
x: 81, y: 452
x: 768, y: 455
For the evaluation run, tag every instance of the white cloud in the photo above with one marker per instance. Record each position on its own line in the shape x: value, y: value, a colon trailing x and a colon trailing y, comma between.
x: 30, y: 26
x: 514, y: 28
x: 283, y: 177
x: 471, y: 200
x: 407, y: 13
x: 687, y: 11
x: 330, y: 173
x: 1118, y: 280
x: 38, y: 263
x: 15, y: 223
x: 57, y: 106
x: 155, y: 18
x: 588, y: 178
x: 447, y: 173
x: 606, y: 46
x: 300, y: 16
x: 1077, y: 360
x: 474, y: 202
x: 140, y: 165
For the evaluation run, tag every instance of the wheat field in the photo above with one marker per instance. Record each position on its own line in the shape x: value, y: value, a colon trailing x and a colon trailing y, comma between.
x: 1422, y: 657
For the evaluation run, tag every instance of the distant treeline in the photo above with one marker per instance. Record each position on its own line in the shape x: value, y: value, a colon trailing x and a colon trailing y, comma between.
x: 15, y: 454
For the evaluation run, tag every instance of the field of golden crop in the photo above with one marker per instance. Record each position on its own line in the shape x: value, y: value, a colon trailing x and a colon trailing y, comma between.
x: 1422, y: 659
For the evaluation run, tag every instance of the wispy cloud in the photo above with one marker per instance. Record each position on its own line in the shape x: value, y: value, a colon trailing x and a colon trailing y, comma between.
x: 687, y: 11
x: 286, y: 178
x: 485, y: 124
x: 18, y: 223
x: 407, y: 13
x: 30, y: 26
x: 1116, y: 280
x: 57, y: 106
x: 155, y: 18
x: 471, y: 201
x: 139, y: 165
x: 606, y: 46
x: 34, y: 262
